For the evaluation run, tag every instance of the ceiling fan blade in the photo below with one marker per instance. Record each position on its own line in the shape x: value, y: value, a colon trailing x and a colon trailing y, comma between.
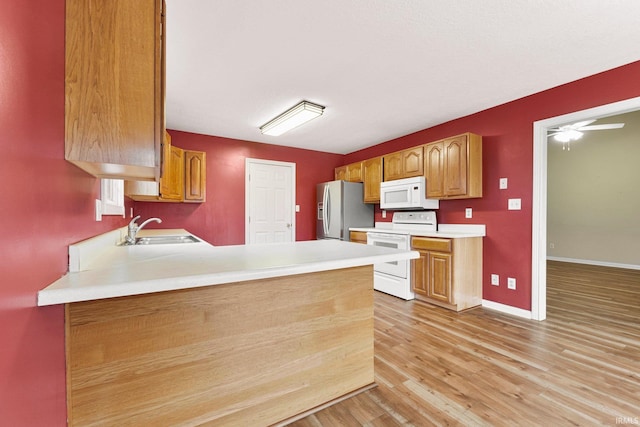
x: 602, y: 127
x: 555, y: 132
x: 581, y: 124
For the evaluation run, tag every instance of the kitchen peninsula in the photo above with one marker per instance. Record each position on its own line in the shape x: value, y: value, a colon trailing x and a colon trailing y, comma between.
x: 189, y: 333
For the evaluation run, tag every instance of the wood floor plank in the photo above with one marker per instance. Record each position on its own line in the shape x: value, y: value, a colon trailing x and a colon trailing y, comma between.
x: 435, y: 367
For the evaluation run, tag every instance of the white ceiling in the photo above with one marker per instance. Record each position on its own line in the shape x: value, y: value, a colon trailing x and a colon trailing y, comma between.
x: 382, y: 68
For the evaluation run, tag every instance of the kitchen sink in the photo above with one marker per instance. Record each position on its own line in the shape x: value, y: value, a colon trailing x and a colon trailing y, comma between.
x: 163, y: 240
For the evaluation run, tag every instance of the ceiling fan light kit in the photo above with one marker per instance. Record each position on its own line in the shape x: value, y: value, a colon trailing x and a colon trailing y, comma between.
x: 292, y: 118
x: 575, y: 131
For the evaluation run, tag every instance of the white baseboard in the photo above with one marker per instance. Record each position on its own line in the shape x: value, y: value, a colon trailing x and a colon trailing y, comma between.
x: 507, y: 309
x: 592, y: 262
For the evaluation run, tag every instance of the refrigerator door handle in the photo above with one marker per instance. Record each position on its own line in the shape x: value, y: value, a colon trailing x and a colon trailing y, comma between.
x: 325, y: 204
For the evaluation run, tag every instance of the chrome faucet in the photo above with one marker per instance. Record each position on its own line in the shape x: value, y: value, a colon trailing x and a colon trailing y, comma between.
x: 134, y: 228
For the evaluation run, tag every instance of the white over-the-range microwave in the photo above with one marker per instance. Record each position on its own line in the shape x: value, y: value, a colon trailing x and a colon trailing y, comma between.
x: 407, y: 193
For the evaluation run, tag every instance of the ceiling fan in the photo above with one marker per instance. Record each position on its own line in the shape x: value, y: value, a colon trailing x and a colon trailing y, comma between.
x: 573, y: 132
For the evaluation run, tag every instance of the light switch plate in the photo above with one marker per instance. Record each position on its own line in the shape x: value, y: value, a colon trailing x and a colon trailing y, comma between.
x: 515, y: 204
x: 468, y: 213
x: 503, y: 183
x: 297, y: 208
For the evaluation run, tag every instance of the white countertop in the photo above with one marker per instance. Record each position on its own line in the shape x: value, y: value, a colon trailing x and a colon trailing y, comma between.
x: 445, y: 231
x: 113, y: 271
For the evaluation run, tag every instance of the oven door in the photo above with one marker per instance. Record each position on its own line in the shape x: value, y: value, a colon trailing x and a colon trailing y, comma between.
x: 394, y: 241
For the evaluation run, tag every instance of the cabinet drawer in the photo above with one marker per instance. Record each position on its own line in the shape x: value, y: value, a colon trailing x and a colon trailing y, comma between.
x: 431, y: 244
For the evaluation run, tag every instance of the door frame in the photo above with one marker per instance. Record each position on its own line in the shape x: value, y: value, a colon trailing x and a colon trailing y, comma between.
x: 247, y: 199
x: 539, y: 224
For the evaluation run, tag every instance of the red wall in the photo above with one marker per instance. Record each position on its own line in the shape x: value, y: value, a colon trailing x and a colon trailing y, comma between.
x: 507, y: 132
x: 220, y: 220
x: 47, y: 203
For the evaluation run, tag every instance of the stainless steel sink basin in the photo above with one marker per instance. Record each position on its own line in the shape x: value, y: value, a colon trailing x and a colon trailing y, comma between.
x: 163, y: 240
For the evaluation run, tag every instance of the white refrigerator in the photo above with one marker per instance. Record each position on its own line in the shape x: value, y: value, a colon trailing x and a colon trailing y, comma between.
x: 340, y: 207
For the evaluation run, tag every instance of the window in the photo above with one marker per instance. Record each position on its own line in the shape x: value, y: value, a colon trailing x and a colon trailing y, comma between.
x: 112, y: 196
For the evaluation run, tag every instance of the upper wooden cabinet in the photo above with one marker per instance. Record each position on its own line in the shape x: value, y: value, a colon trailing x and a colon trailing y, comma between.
x: 195, y: 176
x: 114, y: 91
x: 183, y: 178
x: 172, y: 179
x: 351, y: 172
x: 453, y: 167
x: 372, y: 177
x: 354, y: 172
x: 404, y: 164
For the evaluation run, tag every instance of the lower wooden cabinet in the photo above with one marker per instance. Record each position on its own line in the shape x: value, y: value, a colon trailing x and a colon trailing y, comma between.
x: 358, y: 237
x: 448, y: 272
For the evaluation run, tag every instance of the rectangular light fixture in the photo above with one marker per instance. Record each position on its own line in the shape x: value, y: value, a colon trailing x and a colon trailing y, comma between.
x: 292, y: 118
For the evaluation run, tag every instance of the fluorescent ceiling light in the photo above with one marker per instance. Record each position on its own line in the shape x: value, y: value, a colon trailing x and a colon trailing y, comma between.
x: 292, y: 118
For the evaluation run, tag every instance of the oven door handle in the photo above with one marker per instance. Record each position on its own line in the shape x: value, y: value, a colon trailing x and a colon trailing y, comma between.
x: 385, y: 236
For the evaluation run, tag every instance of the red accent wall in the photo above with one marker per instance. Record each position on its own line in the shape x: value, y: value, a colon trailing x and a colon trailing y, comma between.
x: 47, y: 203
x: 220, y: 220
x: 507, y: 132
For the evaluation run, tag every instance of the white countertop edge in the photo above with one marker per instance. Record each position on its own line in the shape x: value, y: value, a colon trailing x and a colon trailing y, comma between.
x: 87, y: 293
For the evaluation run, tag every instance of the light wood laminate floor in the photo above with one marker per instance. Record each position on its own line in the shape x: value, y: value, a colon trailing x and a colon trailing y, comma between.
x: 581, y: 366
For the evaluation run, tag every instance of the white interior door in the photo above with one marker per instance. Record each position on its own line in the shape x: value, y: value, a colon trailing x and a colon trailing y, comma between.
x: 270, y: 201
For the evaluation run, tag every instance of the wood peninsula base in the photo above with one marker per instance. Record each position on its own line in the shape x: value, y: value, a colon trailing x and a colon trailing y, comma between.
x: 246, y: 353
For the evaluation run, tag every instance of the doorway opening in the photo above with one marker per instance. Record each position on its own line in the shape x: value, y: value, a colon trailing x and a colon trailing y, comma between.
x: 539, y: 219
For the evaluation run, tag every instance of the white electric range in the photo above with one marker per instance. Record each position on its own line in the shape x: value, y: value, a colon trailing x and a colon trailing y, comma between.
x: 394, y: 278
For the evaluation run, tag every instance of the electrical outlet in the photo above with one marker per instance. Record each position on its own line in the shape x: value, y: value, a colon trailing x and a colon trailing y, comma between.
x: 552, y: 245
x: 511, y: 283
x: 515, y: 204
x: 503, y: 183
x: 468, y: 213
x: 495, y: 280
x: 384, y: 214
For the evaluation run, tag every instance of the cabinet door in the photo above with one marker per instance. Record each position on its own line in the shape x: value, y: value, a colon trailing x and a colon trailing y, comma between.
x: 340, y: 173
x: 113, y: 93
x: 195, y: 176
x: 434, y: 169
x: 419, y: 271
x: 412, y: 163
x: 439, y: 277
x: 358, y: 237
x: 354, y: 172
x: 372, y: 177
x: 172, y: 183
x: 393, y: 166
x: 455, y: 166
